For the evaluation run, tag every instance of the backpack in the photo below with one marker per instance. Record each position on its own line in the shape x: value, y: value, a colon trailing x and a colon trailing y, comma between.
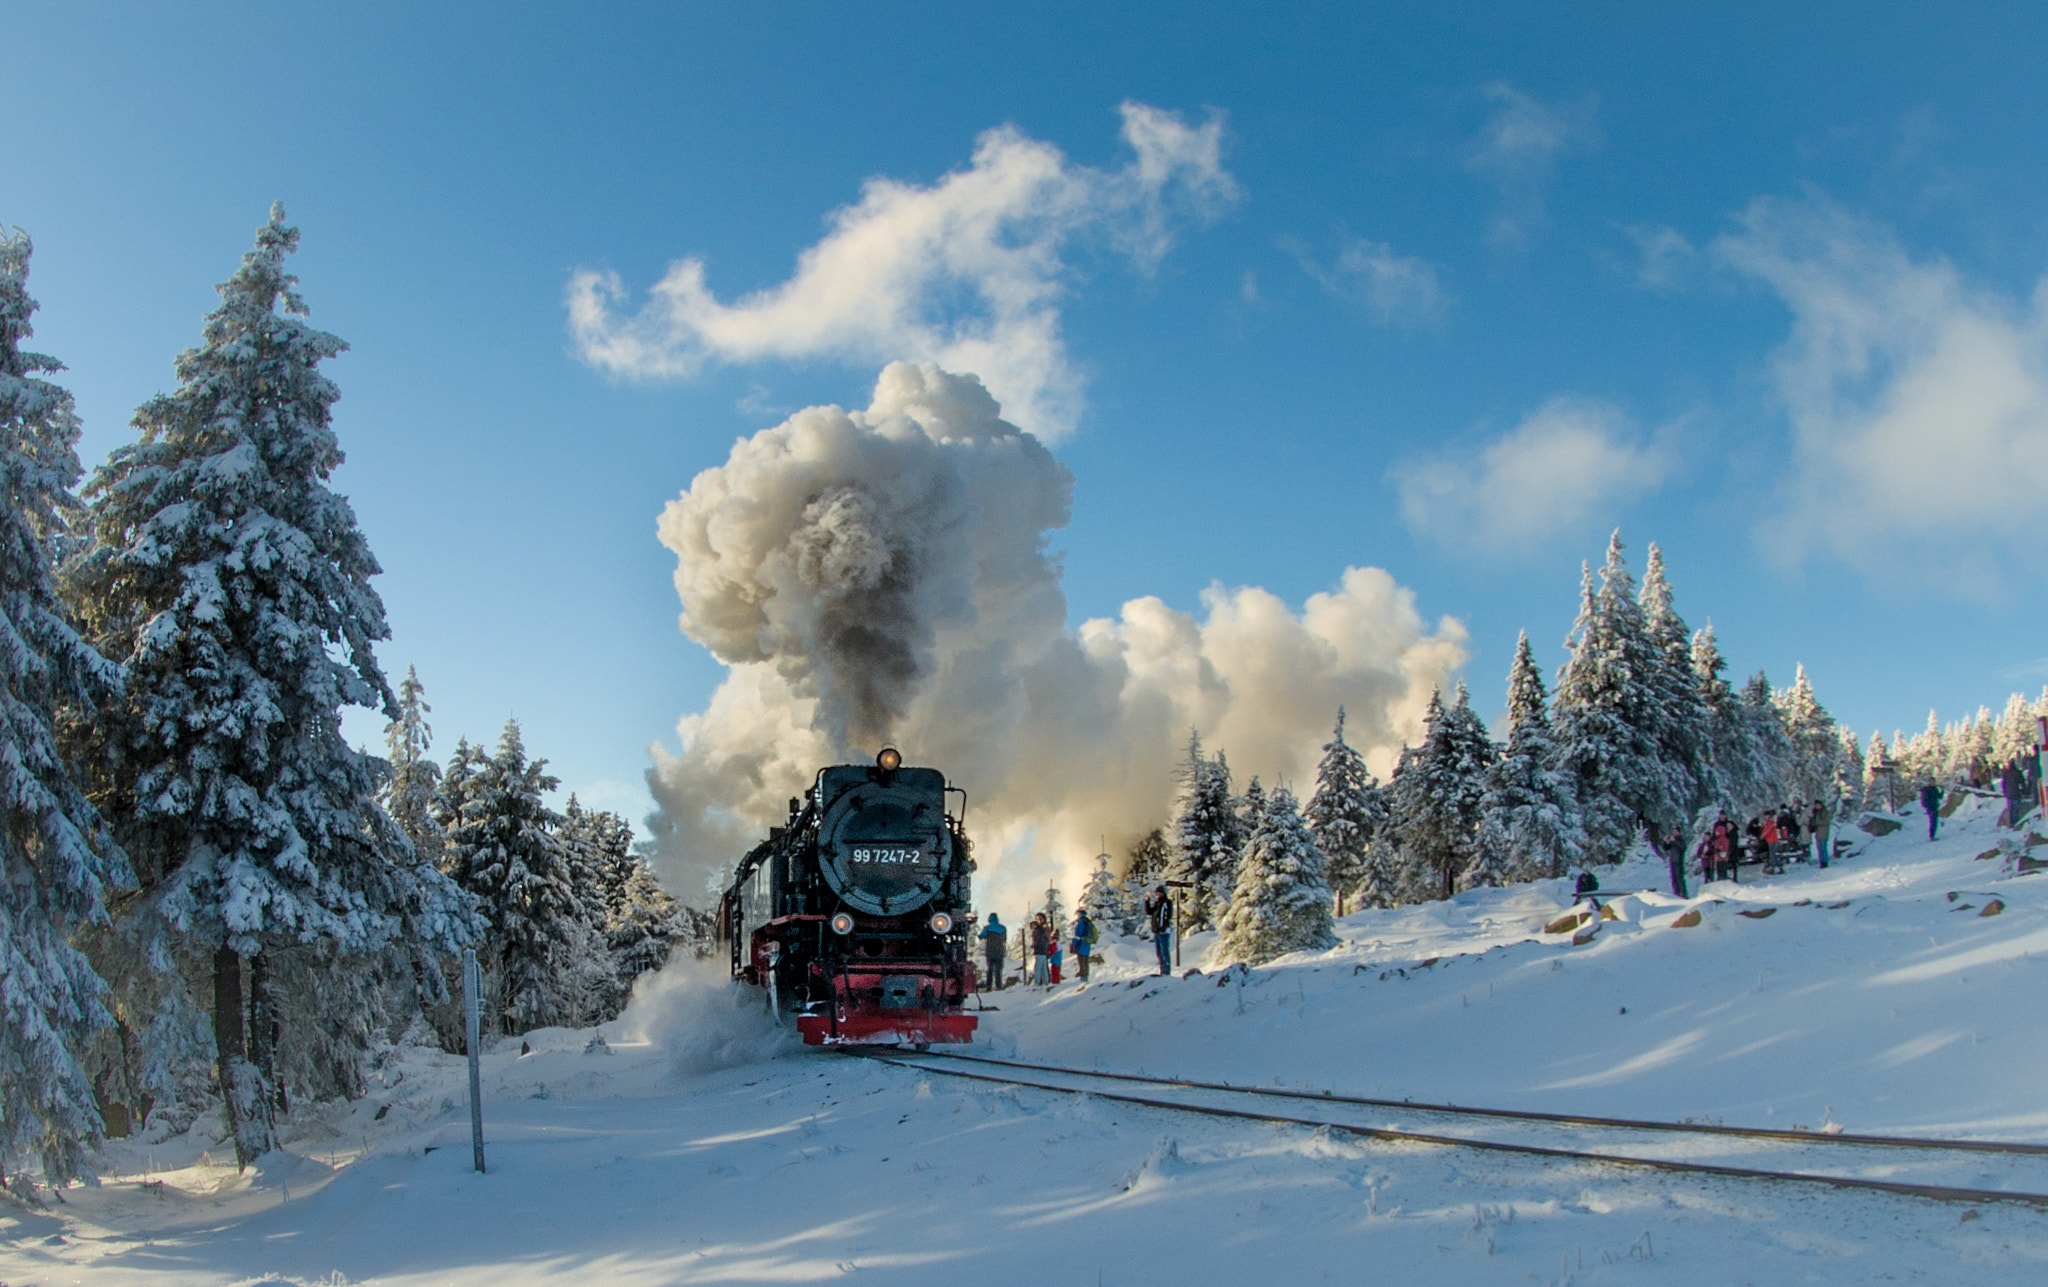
x: 1088, y: 935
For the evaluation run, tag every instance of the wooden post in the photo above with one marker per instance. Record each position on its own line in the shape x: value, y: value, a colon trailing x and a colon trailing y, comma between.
x: 472, y: 1018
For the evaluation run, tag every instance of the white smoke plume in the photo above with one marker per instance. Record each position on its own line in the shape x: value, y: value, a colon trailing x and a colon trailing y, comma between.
x: 968, y: 271
x: 883, y: 574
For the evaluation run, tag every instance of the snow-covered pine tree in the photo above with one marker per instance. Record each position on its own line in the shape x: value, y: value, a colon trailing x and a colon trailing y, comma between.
x: 1104, y: 901
x: 1680, y: 724
x: 1814, y: 765
x: 1379, y: 878
x: 1738, y: 771
x: 644, y: 932
x: 598, y: 859
x: 1281, y: 902
x: 1055, y: 910
x: 234, y: 587
x: 56, y: 856
x: 1438, y: 793
x: 1149, y: 862
x: 1344, y: 812
x: 1878, y: 790
x: 1529, y: 818
x: 408, y: 793
x: 1769, y: 745
x: 1606, y: 717
x: 1849, y: 771
x: 502, y: 849
x: 1207, y: 837
x: 2016, y: 732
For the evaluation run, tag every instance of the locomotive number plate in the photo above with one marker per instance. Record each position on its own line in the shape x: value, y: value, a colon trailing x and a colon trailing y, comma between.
x: 887, y: 855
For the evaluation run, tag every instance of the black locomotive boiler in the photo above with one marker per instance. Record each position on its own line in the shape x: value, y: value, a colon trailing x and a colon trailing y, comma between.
x: 854, y: 915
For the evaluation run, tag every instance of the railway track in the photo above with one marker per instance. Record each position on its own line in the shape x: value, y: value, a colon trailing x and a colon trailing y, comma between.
x: 1899, y: 1165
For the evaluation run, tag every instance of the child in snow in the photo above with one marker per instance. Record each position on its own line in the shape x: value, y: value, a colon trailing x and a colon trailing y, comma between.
x: 1041, y: 951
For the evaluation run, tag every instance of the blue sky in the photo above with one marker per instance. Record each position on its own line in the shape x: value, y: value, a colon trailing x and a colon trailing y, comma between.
x: 1471, y: 286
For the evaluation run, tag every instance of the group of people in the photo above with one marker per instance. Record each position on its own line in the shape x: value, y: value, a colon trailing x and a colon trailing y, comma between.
x: 1769, y: 838
x: 1048, y: 953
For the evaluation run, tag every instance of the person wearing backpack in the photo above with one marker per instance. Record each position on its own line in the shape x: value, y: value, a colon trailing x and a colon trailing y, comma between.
x: 994, y: 945
x: 1159, y: 911
x: 1930, y: 800
x: 1084, y: 942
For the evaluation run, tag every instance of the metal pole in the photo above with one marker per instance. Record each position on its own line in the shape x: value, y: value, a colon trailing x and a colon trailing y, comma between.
x: 1177, y: 932
x: 472, y: 1015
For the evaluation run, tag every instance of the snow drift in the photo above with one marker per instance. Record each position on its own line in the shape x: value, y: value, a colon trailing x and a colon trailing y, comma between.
x: 883, y: 575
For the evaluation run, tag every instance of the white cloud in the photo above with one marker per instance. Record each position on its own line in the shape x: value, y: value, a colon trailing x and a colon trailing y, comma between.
x: 1918, y: 403
x: 1667, y: 257
x: 883, y: 574
x: 967, y: 271
x: 1518, y: 150
x: 1558, y: 472
x: 1396, y: 289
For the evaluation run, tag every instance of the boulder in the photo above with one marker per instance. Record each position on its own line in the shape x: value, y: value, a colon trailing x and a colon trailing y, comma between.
x: 1877, y: 824
x: 1687, y: 920
x: 1992, y: 908
x: 1758, y: 913
x: 1568, y: 922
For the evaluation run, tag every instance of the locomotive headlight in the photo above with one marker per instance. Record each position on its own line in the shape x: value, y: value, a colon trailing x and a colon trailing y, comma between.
x: 941, y: 923
x: 842, y: 922
x: 889, y: 760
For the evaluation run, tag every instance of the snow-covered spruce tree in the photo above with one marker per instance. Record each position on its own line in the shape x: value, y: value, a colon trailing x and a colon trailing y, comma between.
x: 1738, y: 772
x: 598, y: 858
x: 56, y: 856
x: 1104, y: 900
x: 1437, y: 794
x: 1605, y: 714
x: 644, y: 932
x: 1149, y: 862
x: 1768, y: 744
x: 1282, y: 900
x: 2016, y: 732
x: 408, y: 793
x: 1680, y: 724
x: 234, y: 587
x: 1379, y: 877
x: 1529, y: 818
x: 1055, y: 909
x: 1344, y: 812
x: 1814, y: 767
x: 641, y: 925
x: 538, y: 950
x: 1849, y: 772
x: 1207, y: 837
x: 1877, y: 767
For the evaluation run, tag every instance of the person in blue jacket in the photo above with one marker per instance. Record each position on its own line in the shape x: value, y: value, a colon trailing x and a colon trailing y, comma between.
x: 994, y: 943
x: 1930, y: 800
x: 1084, y: 942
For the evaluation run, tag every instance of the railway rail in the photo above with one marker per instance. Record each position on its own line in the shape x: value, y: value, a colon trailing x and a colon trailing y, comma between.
x: 1884, y: 1159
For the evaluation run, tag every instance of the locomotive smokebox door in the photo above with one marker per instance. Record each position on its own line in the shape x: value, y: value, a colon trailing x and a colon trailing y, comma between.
x: 884, y: 847
x: 899, y: 992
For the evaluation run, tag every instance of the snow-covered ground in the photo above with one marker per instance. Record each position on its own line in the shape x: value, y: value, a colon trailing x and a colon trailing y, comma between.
x: 696, y: 1145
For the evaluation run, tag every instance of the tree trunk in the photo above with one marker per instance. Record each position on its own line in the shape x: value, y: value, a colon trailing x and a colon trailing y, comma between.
x: 229, y: 1038
x: 242, y: 1088
x: 263, y: 1026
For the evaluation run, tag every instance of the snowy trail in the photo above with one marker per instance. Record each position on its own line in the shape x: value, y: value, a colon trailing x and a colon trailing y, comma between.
x: 694, y: 1145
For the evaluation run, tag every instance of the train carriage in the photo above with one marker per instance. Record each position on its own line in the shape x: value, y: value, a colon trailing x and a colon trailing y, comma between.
x: 853, y: 915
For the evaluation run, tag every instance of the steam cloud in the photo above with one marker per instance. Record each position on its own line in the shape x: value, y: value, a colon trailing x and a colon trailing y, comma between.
x: 883, y: 574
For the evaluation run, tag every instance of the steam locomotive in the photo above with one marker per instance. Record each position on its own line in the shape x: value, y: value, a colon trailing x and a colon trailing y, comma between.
x: 853, y: 915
